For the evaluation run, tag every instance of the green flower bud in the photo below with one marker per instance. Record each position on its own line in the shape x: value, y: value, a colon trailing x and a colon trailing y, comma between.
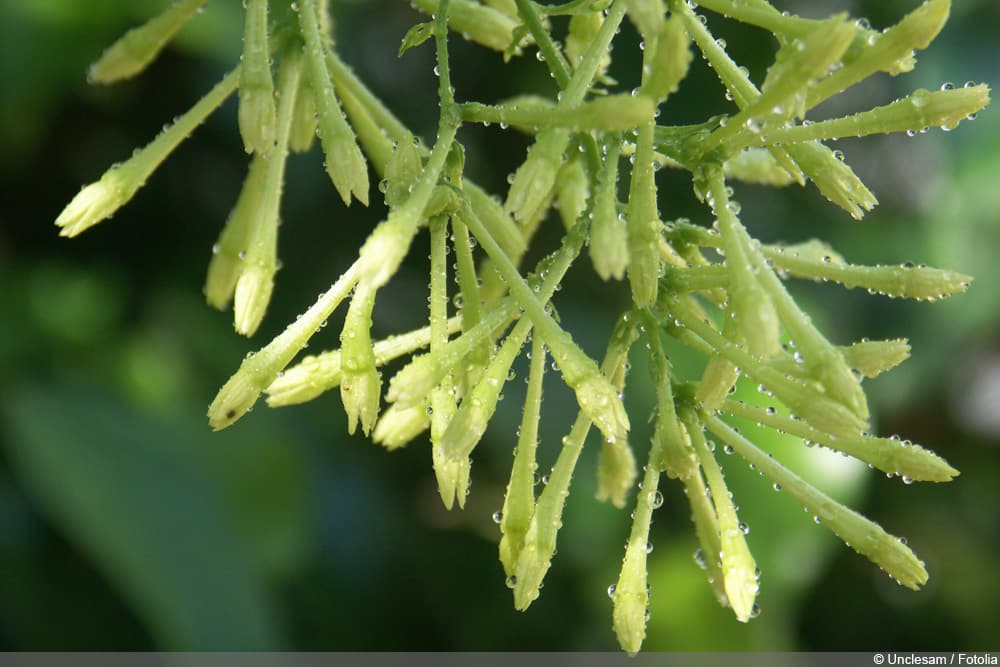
x: 864, y: 536
x: 519, y: 501
x: 572, y: 192
x: 891, y: 52
x: 738, y: 565
x: 345, y: 164
x: 616, y: 472
x: 253, y: 293
x: 135, y: 50
x: 259, y: 370
x: 608, y: 235
x: 257, y: 111
x: 535, y: 178
x: 229, y: 252
x: 99, y: 201
x: 398, y: 426
x: 360, y: 384
x: 643, y: 224
x: 670, y: 61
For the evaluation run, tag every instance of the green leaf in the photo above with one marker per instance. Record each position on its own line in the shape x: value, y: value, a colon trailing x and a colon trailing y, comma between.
x: 122, y: 490
x: 416, y: 36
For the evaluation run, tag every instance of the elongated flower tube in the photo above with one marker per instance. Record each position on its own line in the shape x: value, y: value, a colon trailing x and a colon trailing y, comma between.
x: 863, y: 535
x: 344, y: 162
x: 738, y: 565
x: 894, y: 456
x: 540, y: 540
x: 229, y: 252
x: 319, y: 373
x: 260, y: 259
x: 751, y: 307
x: 360, y: 384
x: 595, y: 395
x: 663, y: 71
x: 137, y: 48
x: 99, y: 201
x: 643, y: 223
x: 257, y: 113
x: 260, y: 369
x: 608, y: 234
x: 631, y: 592
x: 519, y: 500
x: 892, y: 51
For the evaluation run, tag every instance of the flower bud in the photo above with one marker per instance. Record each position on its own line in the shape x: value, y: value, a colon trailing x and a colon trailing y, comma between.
x: 670, y: 61
x: 608, y: 235
x: 616, y: 472
x: 135, y: 50
x: 99, y: 201
x: 229, y: 252
x: 535, y: 178
x: 398, y: 426
x: 360, y: 384
x: 258, y: 116
x: 253, y: 293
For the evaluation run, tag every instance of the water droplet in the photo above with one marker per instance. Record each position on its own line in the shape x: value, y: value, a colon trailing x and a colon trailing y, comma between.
x: 497, y: 517
x: 511, y: 581
x: 611, y: 590
x: 657, y: 500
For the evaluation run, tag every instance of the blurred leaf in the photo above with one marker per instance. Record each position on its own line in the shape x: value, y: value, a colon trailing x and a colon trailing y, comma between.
x: 150, y: 520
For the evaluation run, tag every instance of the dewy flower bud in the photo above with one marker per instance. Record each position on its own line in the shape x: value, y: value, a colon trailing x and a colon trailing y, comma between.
x: 260, y: 262
x: 643, y: 223
x: 398, y: 426
x: 535, y: 178
x: 873, y: 357
x: 890, y: 455
x: 616, y: 472
x: 738, y: 565
x: 306, y: 380
x: 861, y: 534
x: 253, y: 293
x: 259, y: 370
x: 572, y: 192
x: 834, y: 178
x: 304, y: 124
x: 257, y: 111
x: 608, y: 235
x: 229, y: 252
x: 631, y: 595
x: 918, y: 111
x: 647, y: 16
x: 669, y: 63
x: 99, y: 201
x: 892, y: 52
x: 519, y: 500
x: 319, y: 373
x: 345, y: 164
x: 360, y: 385
x: 135, y: 50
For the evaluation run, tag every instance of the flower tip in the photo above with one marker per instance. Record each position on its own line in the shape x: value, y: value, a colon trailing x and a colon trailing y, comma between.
x: 258, y: 118
x: 234, y: 400
x: 601, y: 403
x: 93, y: 204
x: 348, y: 170
x: 253, y: 293
x: 398, y: 426
x: 360, y: 393
x: 294, y: 386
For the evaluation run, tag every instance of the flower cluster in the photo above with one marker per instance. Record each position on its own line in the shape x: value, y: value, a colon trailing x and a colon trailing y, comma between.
x: 713, y: 288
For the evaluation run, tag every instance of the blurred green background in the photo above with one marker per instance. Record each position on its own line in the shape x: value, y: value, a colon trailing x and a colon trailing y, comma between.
x: 126, y: 524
